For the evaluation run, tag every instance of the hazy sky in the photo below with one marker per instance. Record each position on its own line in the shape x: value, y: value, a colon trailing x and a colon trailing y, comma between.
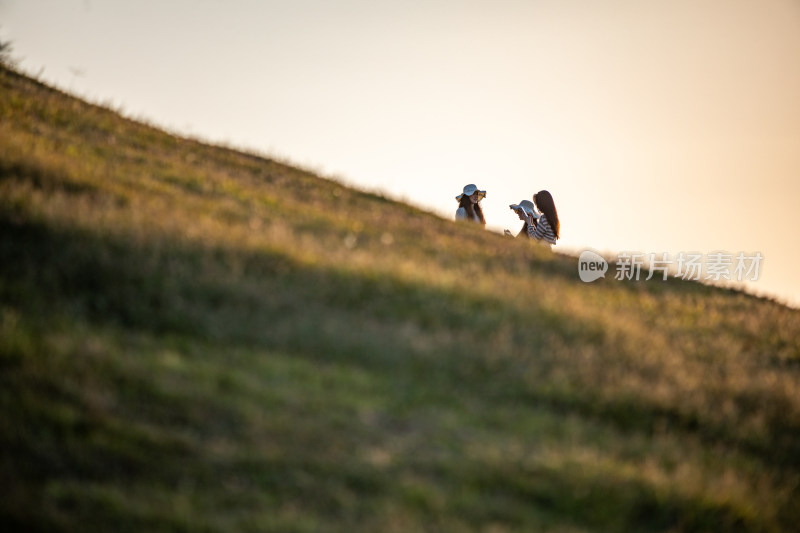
x: 658, y: 126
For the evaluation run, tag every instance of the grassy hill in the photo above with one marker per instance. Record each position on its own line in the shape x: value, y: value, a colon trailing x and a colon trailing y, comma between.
x: 197, y: 339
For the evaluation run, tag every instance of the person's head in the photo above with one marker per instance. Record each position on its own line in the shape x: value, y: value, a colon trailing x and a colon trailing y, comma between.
x: 527, y: 209
x: 472, y: 192
x: 469, y: 199
x: 544, y: 202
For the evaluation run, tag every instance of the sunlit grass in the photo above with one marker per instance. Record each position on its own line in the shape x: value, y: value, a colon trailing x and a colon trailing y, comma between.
x: 194, y: 338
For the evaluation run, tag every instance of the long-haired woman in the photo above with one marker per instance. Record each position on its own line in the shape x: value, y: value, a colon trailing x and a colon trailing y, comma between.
x: 469, y: 207
x: 548, y: 229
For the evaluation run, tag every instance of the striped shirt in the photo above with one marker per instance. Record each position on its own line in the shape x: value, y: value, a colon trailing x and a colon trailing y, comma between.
x: 542, y: 231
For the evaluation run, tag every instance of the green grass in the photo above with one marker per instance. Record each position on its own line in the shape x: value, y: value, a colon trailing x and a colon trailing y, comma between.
x: 198, y: 339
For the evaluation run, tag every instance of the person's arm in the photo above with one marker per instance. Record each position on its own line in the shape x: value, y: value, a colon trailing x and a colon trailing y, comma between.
x: 529, y: 220
x: 461, y: 214
x: 539, y: 230
x: 543, y: 231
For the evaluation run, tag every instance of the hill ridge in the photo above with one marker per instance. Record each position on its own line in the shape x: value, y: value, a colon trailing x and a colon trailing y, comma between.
x: 194, y: 338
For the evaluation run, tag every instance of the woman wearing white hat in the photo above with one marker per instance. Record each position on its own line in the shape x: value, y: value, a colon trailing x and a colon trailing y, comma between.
x: 547, y: 229
x: 527, y: 213
x: 469, y: 207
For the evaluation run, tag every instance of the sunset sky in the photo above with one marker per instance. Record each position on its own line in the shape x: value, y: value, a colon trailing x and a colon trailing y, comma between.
x: 657, y: 126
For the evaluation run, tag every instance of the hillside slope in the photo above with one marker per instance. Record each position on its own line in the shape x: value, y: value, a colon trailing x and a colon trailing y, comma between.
x: 196, y: 339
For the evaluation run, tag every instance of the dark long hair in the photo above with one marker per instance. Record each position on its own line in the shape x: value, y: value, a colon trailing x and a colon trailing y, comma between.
x: 544, y: 201
x: 471, y: 208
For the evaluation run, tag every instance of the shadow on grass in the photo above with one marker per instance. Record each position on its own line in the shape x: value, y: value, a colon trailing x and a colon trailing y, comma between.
x: 265, y: 299
x: 407, y: 338
x: 254, y: 297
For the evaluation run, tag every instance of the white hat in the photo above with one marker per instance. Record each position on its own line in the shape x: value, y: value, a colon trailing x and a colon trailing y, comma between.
x: 526, y: 206
x: 471, y: 189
